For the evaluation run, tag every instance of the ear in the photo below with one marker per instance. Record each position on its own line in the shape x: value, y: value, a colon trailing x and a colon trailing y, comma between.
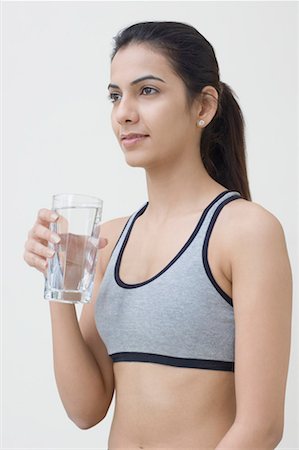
x: 207, y: 104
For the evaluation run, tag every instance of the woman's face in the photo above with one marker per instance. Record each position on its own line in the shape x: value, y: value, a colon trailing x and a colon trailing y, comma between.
x: 150, y: 116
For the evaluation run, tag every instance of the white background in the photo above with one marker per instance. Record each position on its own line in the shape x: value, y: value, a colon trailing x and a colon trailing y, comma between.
x: 56, y: 137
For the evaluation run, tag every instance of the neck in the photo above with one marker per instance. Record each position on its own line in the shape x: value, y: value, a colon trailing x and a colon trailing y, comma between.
x: 185, y: 189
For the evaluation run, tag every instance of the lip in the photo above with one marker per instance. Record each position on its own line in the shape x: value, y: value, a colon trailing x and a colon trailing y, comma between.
x: 132, y: 135
x: 131, y: 139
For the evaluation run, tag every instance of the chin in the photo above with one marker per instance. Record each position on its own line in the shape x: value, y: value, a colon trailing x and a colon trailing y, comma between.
x: 137, y: 160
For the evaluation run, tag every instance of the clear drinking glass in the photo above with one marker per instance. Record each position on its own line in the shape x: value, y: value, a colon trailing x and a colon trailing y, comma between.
x: 71, y: 271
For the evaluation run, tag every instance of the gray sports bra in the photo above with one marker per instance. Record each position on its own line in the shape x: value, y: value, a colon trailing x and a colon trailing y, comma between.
x: 181, y: 316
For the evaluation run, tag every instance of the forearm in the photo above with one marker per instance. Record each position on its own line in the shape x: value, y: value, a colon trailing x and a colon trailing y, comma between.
x: 243, y: 437
x: 78, y: 376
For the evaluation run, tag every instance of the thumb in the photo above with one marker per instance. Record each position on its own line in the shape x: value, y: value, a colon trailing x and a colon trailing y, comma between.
x: 102, y: 243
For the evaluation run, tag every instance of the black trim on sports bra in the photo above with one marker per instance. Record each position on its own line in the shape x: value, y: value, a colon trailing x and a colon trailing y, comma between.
x: 174, y: 361
x: 194, y: 233
x: 205, y: 249
x: 120, y: 235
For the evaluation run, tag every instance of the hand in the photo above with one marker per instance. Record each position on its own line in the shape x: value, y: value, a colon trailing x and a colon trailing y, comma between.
x: 36, y: 246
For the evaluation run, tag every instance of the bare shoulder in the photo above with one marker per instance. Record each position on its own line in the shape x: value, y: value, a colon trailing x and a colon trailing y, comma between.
x: 248, y: 225
x: 243, y: 216
x: 251, y: 227
x: 111, y: 230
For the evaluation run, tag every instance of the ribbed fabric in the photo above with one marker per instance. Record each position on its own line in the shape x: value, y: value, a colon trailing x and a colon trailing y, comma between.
x: 180, y: 317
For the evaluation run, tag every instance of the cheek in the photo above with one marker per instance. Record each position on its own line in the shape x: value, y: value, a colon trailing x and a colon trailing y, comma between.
x: 159, y: 119
x: 170, y: 126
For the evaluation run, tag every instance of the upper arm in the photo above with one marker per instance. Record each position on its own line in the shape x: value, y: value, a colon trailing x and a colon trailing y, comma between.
x: 262, y: 299
x: 110, y: 230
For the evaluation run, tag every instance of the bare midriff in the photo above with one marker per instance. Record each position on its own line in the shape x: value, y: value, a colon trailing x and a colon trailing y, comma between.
x: 158, y: 406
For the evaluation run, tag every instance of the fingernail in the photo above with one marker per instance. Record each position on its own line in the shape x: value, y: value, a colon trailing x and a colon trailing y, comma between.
x: 54, y: 216
x: 50, y: 253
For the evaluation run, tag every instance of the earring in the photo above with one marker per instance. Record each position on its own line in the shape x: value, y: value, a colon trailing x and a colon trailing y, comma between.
x: 200, y: 123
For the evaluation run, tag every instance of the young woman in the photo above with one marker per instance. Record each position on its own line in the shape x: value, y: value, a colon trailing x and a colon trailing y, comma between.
x: 190, y: 320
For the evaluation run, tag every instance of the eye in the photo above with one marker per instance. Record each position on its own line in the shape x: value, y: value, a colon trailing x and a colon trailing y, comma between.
x: 149, y: 90
x: 113, y: 96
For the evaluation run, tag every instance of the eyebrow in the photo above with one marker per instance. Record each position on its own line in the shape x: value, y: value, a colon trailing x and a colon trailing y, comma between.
x: 138, y: 80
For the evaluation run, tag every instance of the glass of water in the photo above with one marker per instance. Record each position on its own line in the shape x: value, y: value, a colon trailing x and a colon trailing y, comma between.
x: 71, y: 271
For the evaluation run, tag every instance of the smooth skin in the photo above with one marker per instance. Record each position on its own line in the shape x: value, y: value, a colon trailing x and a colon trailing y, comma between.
x: 161, y: 406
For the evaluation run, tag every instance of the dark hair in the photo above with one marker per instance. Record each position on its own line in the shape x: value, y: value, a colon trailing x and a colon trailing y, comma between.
x: 193, y: 60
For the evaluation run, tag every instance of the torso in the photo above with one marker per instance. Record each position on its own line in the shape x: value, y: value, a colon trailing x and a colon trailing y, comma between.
x: 159, y: 406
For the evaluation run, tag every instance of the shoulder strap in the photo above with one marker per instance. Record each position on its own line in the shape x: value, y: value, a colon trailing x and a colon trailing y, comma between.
x: 215, y: 207
x: 127, y: 226
x: 213, y: 213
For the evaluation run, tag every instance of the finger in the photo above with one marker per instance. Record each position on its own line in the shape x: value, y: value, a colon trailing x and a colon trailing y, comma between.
x: 102, y: 243
x: 46, y: 216
x: 36, y: 261
x: 43, y: 234
x: 33, y: 246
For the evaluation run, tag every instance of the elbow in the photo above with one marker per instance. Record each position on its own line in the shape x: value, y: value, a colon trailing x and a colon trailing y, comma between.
x: 265, y: 435
x: 85, y: 423
x: 273, y: 440
x: 273, y: 436
x: 277, y: 434
x: 89, y: 415
x: 275, y: 431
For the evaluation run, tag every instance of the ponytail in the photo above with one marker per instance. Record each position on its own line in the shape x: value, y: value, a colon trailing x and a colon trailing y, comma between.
x: 223, y: 144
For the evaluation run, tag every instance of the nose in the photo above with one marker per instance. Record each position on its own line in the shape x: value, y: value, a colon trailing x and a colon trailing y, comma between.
x: 126, y: 111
